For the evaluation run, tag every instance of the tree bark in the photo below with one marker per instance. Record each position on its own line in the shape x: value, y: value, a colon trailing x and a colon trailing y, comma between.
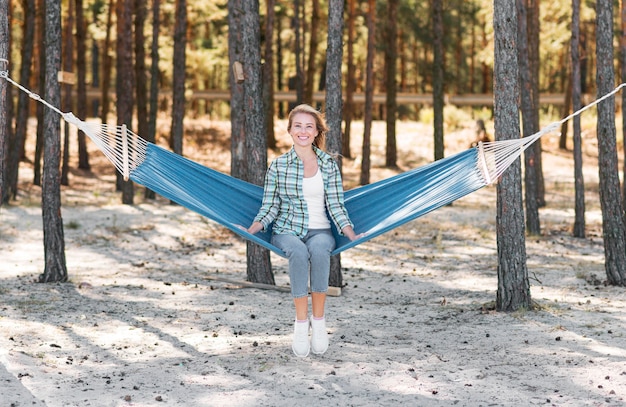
x: 438, y: 77
x: 258, y: 258
x: 54, y: 244
x: 334, y: 102
x: 391, y: 62
x: 313, y: 44
x: 124, y: 82
x: 513, y: 287
x: 369, y: 92
x: 579, y: 182
x: 533, y: 225
x: 613, y: 228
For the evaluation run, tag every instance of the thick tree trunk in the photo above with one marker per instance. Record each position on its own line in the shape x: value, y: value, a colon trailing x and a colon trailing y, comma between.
x: 391, y: 58
x: 438, y: 77
x: 54, y: 244
x: 613, y: 228
x: 579, y: 182
x: 533, y: 225
x: 258, y: 258
x: 513, y: 286
x: 334, y: 56
x: 124, y: 82
x: 369, y: 93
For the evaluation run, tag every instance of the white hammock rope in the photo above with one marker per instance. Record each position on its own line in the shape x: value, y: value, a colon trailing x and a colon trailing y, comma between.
x: 127, y: 150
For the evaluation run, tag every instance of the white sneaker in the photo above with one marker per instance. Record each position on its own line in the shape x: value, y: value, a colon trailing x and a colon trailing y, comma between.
x: 319, y: 336
x: 301, y: 345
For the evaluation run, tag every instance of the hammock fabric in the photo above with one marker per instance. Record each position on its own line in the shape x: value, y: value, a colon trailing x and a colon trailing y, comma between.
x: 375, y: 208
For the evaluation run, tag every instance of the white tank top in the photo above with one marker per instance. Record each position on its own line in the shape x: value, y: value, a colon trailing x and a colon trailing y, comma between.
x: 313, y: 189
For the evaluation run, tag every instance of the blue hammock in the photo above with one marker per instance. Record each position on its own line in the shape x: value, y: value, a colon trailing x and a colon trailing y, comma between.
x: 375, y: 208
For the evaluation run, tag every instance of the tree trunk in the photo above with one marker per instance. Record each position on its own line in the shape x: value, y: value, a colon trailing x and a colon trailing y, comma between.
x: 334, y: 56
x: 369, y: 92
x: 567, y: 108
x: 154, y: 82
x: 613, y: 229
x: 438, y: 77
x: 15, y: 151
x: 622, y: 58
x: 238, y: 162
x: 107, y: 61
x: 533, y: 224
x: 533, y: 55
x: 41, y: 84
x: 68, y: 66
x: 298, y: 84
x: 391, y: 62
x: 313, y: 43
x: 348, y: 108
x: 268, y: 73
x: 54, y: 243
x: 513, y: 287
x: 258, y: 258
x: 124, y: 82
x: 141, y: 79
x: 178, y: 80
x: 81, y: 82
x: 4, y: 122
x: 579, y: 182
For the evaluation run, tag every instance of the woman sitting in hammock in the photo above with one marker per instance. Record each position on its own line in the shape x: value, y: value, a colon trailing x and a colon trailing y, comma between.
x: 301, y: 187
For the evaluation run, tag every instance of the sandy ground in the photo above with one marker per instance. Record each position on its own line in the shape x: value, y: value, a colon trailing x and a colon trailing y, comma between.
x: 145, y: 320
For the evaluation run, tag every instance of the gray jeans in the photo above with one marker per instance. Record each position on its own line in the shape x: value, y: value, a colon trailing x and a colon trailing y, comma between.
x: 309, y: 253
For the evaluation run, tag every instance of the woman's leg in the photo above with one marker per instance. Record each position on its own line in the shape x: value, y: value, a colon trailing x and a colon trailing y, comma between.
x: 298, y: 257
x: 320, y: 244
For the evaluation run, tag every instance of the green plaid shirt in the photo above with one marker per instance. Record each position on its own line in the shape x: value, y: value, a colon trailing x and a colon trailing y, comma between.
x: 283, y: 199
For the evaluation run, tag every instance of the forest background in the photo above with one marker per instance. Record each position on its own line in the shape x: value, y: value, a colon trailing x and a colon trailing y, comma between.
x: 412, y: 54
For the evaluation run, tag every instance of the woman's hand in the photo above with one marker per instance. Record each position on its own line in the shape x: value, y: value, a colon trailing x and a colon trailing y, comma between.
x: 349, y: 233
x: 253, y: 229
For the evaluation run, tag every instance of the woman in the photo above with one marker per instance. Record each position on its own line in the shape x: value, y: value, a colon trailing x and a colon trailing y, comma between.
x: 301, y: 187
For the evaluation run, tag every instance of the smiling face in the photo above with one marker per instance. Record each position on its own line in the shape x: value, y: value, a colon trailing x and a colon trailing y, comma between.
x: 303, y: 129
